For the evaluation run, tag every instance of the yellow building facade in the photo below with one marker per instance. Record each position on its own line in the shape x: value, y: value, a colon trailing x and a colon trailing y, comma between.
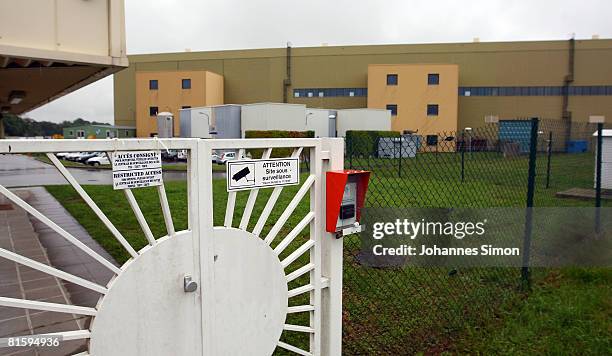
x: 170, y: 91
x: 504, y: 79
x: 421, y: 97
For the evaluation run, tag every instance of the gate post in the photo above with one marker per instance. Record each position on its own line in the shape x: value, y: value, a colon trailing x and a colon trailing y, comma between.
x: 201, y: 222
x: 331, y: 304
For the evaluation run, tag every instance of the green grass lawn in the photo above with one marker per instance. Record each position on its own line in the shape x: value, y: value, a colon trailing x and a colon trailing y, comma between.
x: 411, y: 310
x: 568, y: 312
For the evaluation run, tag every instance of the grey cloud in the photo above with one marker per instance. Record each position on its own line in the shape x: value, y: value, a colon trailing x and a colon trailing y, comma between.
x: 171, y: 26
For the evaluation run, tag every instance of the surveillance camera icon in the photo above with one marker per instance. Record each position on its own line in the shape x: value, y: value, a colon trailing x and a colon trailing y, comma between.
x: 241, y: 174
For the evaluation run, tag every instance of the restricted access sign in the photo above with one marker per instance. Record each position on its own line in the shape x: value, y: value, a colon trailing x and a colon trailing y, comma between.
x: 137, y: 169
x: 261, y: 173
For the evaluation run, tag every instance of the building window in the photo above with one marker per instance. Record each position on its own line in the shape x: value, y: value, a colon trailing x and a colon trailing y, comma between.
x: 153, y: 110
x: 185, y: 107
x: 80, y: 133
x: 391, y: 79
x: 108, y: 134
x: 127, y: 133
x: 329, y: 92
x: 432, y: 110
x: 186, y: 84
x: 433, y: 79
x: 70, y: 133
x: 392, y: 108
x: 153, y: 84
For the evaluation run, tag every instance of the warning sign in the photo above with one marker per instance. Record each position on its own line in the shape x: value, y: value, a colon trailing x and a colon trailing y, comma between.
x: 137, y: 169
x: 261, y: 173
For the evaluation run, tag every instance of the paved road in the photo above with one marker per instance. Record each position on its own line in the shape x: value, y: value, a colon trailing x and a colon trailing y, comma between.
x: 24, y: 171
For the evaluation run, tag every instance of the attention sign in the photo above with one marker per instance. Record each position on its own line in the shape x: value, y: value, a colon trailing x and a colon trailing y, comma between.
x: 137, y: 169
x: 262, y: 173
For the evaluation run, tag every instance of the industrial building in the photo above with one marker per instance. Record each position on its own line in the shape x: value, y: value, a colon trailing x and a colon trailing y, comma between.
x: 568, y: 80
x: 170, y: 91
x: 99, y: 131
x: 422, y: 98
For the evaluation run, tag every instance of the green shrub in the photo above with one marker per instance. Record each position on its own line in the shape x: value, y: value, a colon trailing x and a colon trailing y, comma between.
x: 365, y: 143
x: 277, y: 152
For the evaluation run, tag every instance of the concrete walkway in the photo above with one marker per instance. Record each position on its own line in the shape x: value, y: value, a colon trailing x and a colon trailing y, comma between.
x: 24, y: 235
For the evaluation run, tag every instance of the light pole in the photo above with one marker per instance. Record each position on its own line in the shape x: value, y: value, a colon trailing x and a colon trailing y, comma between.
x: 211, y: 130
x: 469, y: 131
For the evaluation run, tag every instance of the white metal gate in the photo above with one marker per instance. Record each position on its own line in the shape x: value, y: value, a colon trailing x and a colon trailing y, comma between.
x: 243, y: 298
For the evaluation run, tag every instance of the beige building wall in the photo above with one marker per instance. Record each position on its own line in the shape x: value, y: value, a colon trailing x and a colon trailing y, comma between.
x: 412, y: 94
x: 206, y: 89
x: 257, y: 75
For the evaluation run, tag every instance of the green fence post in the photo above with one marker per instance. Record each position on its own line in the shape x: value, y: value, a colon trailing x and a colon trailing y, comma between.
x: 598, y: 179
x: 462, y: 156
x: 533, y: 148
x: 399, y: 168
x: 550, y: 137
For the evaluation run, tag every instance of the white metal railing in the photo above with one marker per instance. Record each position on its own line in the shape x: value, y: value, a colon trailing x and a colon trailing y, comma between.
x: 323, y: 268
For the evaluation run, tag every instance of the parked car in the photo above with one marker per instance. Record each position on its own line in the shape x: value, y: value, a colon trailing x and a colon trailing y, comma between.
x: 61, y: 155
x: 227, y: 156
x: 98, y: 160
x: 73, y: 156
x: 181, y: 155
x: 169, y: 155
x: 215, y: 158
x: 84, y: 157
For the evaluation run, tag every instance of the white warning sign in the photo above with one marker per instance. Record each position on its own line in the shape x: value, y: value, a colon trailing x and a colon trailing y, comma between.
x: 137, y: 169
x: 261, y: 173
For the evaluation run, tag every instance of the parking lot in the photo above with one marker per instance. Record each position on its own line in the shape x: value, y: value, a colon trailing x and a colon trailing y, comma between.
x: 26, y: 171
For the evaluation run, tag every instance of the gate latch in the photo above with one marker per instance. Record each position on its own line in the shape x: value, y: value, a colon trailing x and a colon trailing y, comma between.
x: 189, y: 285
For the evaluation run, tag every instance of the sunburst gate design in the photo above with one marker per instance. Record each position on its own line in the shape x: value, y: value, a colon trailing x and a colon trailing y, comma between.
x: 249, y: 281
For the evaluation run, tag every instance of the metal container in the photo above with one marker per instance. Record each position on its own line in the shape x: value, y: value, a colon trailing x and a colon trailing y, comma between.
x: 165, y: 125
x: 220, y: 121
x: 273, y: 116
x: 320, y: 121
x: 196, y: 122
x: 227, y: 121
x: 363, y: 120
x: 405, y: 146
x: 606, y: 159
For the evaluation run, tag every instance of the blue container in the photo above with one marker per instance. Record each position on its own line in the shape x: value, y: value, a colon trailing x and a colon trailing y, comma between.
x: 518, y: 131
x: 577, y: 146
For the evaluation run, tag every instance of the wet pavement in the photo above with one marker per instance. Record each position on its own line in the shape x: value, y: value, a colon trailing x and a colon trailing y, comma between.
x: 24, y: 171
x: 19, y: 235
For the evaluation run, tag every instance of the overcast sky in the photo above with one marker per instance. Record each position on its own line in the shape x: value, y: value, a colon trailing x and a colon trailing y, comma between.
x: 176, y: 25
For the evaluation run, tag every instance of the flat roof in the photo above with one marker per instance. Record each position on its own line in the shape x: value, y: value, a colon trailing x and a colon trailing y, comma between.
x: 103, y: 126
x: 269, y: 103
x: 458, y: 47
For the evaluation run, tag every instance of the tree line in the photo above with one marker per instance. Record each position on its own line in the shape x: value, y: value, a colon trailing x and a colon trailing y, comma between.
x: 16, y: 126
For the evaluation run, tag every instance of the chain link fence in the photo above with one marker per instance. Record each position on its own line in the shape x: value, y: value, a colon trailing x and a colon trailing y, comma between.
x: 405, y: 310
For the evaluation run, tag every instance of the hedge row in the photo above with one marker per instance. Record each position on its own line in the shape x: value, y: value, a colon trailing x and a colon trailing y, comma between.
x: 365, y: 143
x: 277, y: 152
